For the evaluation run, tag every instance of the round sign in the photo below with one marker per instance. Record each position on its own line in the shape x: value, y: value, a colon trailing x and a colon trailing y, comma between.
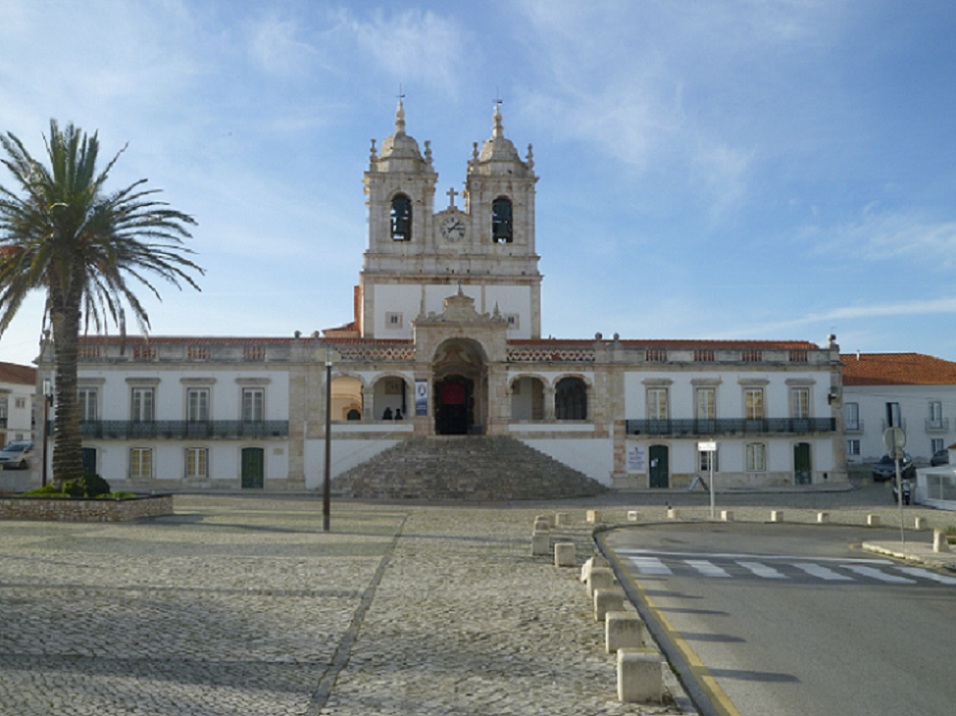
x: 895, y: 439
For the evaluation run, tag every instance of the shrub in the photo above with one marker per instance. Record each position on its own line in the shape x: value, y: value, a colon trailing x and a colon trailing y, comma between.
x: 90, y: 485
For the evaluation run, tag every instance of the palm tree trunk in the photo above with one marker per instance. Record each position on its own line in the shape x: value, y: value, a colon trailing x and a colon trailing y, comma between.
x: 67, y: 439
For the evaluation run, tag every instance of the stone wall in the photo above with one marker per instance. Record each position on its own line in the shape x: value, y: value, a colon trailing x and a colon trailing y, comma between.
x: 61, y: 510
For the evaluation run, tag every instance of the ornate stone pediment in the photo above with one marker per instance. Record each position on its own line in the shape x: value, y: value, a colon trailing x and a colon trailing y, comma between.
x: 461, y: 309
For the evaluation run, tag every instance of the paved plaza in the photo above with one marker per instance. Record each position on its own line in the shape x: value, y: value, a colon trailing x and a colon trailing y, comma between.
x: 243, y: 605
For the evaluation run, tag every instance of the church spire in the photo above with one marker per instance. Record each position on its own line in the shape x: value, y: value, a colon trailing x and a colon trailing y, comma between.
x: 497, y: 130
x: 400, y: 119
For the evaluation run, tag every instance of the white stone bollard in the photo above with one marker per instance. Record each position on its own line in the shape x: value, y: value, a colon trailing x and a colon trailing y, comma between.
x: 920, y: 523
x: 873, y: 520
x: 562, y: 518
x: 542, y: 523
x: 593, y: 516
x: 599, y: 578
x: 540, y: 543
x: 673, y: 513
x: 633, y: 516
x: 776, y: 515
x: 607, y: 600
x: 940, y: 543
x: 590, y: 563
x: 823, y: 518
x: 727, y: 515
x: 623, y: 630
x: 640, y: 677
x: 564, y: 554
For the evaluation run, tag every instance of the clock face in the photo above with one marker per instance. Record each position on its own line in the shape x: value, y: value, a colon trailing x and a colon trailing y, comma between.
x: 453, y: 229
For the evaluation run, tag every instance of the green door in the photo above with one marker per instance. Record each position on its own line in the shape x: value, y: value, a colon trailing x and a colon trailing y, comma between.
x: 658, y: 466
x: 253, y: 468
x: 802, y: 473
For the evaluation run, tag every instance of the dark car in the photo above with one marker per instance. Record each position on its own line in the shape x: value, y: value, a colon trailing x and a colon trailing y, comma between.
x: 940, y: 457
x: 885, y: 469
x: 15, y: 455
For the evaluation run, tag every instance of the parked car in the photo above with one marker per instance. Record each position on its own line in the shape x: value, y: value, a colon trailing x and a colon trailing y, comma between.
x: 940, y: 457
x: 16, y: 455
x: 885, y: 469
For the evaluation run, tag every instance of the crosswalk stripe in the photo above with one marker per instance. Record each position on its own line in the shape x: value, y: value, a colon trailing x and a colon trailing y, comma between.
x: 879, y: 574
x: 928, y: 574
x: 650, y: 566
x: 708, y: 569
x: 821, y: 572
x: 762, y: 570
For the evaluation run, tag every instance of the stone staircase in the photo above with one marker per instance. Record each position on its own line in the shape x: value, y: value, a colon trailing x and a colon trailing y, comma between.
x: 473, y: 467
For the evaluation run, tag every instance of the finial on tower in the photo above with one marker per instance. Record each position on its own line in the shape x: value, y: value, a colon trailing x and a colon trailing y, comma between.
x: 400, y: 113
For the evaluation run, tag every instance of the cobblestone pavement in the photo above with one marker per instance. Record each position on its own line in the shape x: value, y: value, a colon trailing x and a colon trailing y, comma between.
x: 240, y: 605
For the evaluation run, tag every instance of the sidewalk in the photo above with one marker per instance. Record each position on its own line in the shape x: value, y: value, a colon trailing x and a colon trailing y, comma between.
x: 244, y: 606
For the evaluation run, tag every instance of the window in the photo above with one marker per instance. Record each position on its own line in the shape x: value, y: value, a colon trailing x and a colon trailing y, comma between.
x: 799, y: 402
x: 893, y: 418
x: 703, y: 460
x: 853, y: 447
x: 140, y: 463
x: 753, y: 403
x: 393, y: 320
x: 936, y: 444
x: 756, y: 457
x: 401, y: 216
x: 502, y: 230
x: 142, y: 407
x: 657, y: 403
x: 571, y: 399
x: 706, y: 399
x: 253, y: 404
x: 851, y: 416
x: 197, y: 405
x: 4, y: 407
x: 512, y: 319
x: 21, y: 403
x: 935, y: 414
x: 88, y: 404
x: 197, y: 462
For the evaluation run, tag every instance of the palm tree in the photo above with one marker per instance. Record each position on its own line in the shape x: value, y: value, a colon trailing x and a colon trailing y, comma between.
x: 62, y: 233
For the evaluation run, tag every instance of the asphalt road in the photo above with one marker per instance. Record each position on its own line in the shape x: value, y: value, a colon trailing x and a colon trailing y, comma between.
x: 792, y: 619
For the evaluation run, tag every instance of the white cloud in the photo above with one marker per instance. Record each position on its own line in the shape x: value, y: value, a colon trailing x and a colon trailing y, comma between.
x: 413, y: 46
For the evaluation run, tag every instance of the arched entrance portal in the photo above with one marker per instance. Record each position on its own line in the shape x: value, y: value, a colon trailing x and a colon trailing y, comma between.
x: 460, y: 388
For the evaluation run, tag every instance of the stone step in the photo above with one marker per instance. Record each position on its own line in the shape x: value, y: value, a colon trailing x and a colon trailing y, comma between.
x: 473, y: 467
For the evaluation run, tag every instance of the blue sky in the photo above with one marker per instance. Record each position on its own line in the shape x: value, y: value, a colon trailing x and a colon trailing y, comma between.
x: 750, y: 169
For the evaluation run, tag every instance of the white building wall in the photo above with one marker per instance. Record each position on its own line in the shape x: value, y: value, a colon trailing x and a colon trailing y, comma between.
x: 594, y: 457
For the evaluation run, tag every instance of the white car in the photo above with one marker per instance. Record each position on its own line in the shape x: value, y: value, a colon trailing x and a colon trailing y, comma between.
x: 16, y: 455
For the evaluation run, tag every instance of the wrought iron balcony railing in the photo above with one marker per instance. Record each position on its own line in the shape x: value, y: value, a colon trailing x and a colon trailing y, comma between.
x: 184, y: 430
x: 730, y: 426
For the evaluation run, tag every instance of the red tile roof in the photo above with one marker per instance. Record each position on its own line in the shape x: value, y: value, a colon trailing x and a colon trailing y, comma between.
x: 18, y: 374
x: 896, y: 369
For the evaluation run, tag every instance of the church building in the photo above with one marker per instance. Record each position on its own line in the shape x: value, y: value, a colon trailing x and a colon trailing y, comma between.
x: 445, y: 344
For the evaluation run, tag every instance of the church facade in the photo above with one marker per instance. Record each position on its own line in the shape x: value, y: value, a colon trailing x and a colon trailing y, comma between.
x: 446, y: 340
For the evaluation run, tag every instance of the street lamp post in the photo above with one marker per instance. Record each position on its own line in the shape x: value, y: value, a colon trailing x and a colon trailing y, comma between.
x: 327, y: 487
x: 47, y: 402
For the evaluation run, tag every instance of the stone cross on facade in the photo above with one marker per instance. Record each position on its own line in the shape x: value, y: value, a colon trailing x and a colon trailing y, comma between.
x: 451, y: 197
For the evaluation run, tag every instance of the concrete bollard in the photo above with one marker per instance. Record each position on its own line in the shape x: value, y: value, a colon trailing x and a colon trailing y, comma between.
x: 564, y: 554
x: 542, y: 523
x: 823, y: 518
x: 940, y: 543
x: 776, y: 515
x: 599, y: 578
x: 623, y: 630
x: 633, y: 516
x: 607, y: 600
x: 593, y: 516
x: 640, y: 677
x: 673, y: 513
x: 920, y: 523
x: 562, y: 519
x: 727, y: 515
x: 872, y: 520
x: 540, y: 543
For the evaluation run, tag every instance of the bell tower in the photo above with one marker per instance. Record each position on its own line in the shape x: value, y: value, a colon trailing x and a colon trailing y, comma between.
x: 417, y: 258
